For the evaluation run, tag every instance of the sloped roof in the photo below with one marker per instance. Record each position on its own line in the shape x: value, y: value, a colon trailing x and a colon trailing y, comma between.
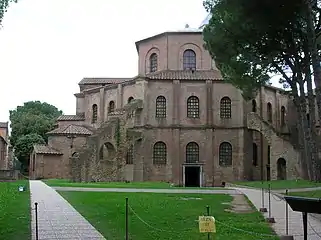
x: 89, y: 81
x: 45, y: 149
x: 4, y: 124
x: 186, y: 75
x: 71, y: 118
x: 3, y: 139
x: 71, y: 130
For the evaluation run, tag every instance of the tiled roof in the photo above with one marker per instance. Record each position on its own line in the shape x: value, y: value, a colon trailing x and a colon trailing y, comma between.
x: 186, y: 75
x: 71, y: 118
x: 4, y: 124
x: 44, y: 149
x: 103, y: 80
x: 70, y: 130
x: 3, y: 139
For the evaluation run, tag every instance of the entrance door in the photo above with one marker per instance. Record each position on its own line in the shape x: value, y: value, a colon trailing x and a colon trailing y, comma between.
x: 192, y: 176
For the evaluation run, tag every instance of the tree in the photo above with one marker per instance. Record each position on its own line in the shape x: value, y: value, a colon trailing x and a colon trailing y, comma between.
x: 248, y: 45
x: 29, y: 124
x: 4, y: 4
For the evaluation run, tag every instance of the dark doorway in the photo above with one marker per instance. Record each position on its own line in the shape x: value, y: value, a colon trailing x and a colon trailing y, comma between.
x: 192, y: 176
x: 281, y: 163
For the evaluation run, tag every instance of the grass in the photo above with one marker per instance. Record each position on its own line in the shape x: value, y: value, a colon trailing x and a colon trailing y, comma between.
x: 169, y: 212
x: 310, y: 194
x: 281, y: 184
x: 147, y: 185
x: 14, y: 211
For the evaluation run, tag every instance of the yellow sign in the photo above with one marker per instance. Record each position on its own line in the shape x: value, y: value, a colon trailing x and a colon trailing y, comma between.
x: 207, y: 224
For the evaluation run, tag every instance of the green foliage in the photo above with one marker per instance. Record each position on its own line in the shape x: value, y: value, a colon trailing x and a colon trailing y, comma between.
x: 248, y: 43
x: 29, y: 124
x: 4, y: 4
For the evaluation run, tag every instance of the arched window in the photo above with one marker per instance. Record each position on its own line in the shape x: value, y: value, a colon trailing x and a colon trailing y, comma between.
x: 269, y: 112
x: 75, y: 155
x: 153, y: 62
x: 160, y: 107
x: 282, y: 116
x: 308, y: 119
x: 94, y: 116
x: 159, y: 153
x: 253, y: 105
x: 189, y: 60
x: 254, y: 146
x: 225, y: 108
x: 192, y: 153
x: 130, y: 99
x: 101, y: 153
x: 193, y: 108
x: 130, y: 155
x: 225, y: 154
x: 111, y: 107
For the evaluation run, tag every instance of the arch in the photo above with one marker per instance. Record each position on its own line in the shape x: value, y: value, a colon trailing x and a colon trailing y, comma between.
x: 269, y: 112
x: 192, y: 46
x: 75, y: 155
x: 189, y: 60
x: 225, y: 154
x: 160, y: 107
x: 308, y: 119
x: 111, y: 107
x: 282, y: 116
x: 107, y: 151
x: 193, y: 107
x: 160, y: 153
x: 153, y: 62
x: 225, y: 108
x: 130, y: 99
x: 192, y: 152
x: 281, y: 169
x: 147, y: 58
x: 130, y: 155
x: 94, y: 113
x: 254, y: 105
x: 255, y: 154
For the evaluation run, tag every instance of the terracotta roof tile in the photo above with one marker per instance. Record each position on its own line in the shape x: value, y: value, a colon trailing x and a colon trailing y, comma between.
x: 4, y: 124
x: 71, y: 129
x: 44, y: 149
x: 186, y: 75
x: 103, y: 80
x: 71, y: 118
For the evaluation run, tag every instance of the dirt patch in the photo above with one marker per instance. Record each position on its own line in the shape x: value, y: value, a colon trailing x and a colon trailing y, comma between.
x: 239, y: 204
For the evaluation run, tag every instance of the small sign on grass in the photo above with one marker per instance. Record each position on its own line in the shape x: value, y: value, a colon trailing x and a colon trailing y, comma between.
x: 206, y: 224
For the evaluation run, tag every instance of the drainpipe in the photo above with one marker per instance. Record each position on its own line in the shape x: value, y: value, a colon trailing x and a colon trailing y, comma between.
x: 261, y: 136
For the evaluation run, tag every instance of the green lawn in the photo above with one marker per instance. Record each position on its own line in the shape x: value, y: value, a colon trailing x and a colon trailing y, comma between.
x: 150, y: 185
x: 172, y: 213
x: 312, y: 194
x: 281, y: 184
x: 14, y: 211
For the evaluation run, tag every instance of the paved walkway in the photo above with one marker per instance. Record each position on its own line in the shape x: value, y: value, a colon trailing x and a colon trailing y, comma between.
x: 278, y: 212
x: 57, y: 219
x: 147, y: 190
x: 297, y: 190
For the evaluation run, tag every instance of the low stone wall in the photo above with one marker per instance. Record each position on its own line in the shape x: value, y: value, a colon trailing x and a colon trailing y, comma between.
x: 9, y: 174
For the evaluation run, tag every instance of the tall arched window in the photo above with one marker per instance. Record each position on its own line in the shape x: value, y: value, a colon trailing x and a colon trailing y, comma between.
x: 193, y: 107
x: 282, y: 116
x: 130, y: 99
x: 269, y: 112
x: 111, y: 107
x: 95, y: 111
x: 189, y: 60
x: 159, y: 153
x: 225, y: 108
x: 192, y: 153
x: 254, y: 148
x: 225, y: 154
x: 308, y: 119
x: 153, y: 62
x: 130, y: 155
x: 253, y: 105
x: 160, y: 107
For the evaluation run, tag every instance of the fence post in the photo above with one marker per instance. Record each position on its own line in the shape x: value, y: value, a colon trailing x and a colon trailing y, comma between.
x: 208, y: 213
x: 263, y: 209
x: 286, y: 236
x: 270, y: 219
x: 36, y: 216
x: 126, y: 219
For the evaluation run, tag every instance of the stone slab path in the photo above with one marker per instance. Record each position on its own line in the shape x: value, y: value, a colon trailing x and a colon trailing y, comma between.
x: 278, y: 212
x: 148, y: 190
x: 57, y: 219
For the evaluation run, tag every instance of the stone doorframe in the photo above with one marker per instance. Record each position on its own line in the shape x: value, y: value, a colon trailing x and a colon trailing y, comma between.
x: 200, y: 165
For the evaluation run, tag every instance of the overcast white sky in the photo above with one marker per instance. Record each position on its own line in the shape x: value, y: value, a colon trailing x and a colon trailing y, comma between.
x: 48, y: 46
